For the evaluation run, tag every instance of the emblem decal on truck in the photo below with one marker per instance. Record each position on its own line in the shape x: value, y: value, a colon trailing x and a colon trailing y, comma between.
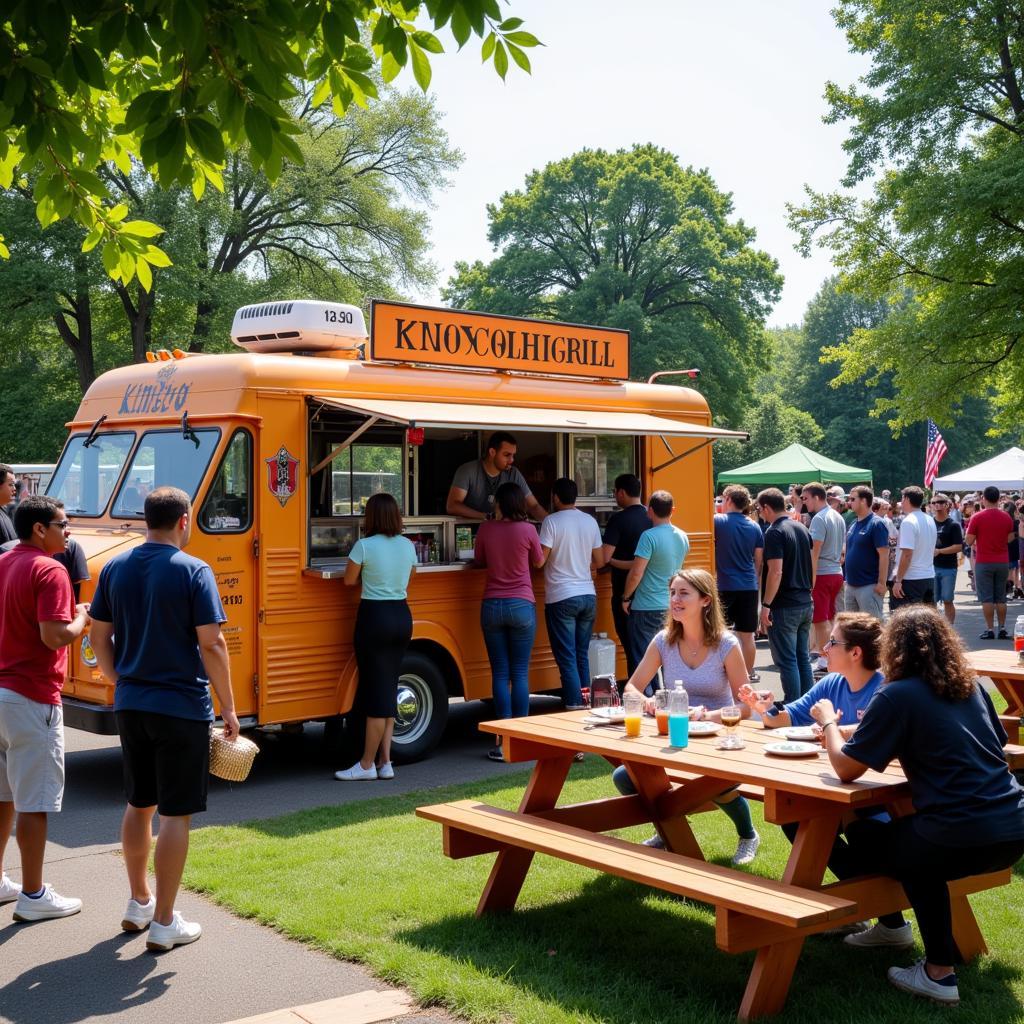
x: 282, y: 475
x: 88, y: 654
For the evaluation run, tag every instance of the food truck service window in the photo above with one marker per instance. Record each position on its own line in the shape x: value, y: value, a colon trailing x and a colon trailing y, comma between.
x: 165, y: 458
x: 596, y: 461
x: 86, y: 477
x: 228, y: 505
x: 364, y: 469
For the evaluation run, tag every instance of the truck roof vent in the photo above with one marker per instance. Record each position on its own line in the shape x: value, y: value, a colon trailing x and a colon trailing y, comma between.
x: 299, y: 325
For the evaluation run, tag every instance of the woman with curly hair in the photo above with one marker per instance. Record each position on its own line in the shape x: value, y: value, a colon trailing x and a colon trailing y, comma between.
x: 935, y: 718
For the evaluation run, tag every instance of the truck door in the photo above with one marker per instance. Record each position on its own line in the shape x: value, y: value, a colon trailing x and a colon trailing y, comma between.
x: 227, y: 524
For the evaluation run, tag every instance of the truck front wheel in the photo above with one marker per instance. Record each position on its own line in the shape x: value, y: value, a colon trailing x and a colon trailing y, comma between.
x: 422, y: 708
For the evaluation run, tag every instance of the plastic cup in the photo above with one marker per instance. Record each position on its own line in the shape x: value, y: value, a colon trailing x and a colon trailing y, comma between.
x: 661, y: 711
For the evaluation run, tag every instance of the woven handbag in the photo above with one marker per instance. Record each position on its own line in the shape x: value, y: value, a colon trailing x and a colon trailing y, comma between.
x: 231, y: 760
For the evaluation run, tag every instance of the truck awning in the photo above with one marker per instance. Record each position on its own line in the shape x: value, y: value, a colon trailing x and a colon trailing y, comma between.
x: 530, y: 418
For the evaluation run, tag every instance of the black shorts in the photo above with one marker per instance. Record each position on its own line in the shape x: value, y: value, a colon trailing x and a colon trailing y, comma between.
x: 740, y: 608
x: 166, y: 761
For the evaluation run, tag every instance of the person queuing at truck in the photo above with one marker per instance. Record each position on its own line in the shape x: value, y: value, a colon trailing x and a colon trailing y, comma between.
x: 989, y: 533
x: 620, y: 539
x: 8, y: 492
x: 852, y: 650
x: 384, y: 560
x: 72, y: 558
x: 739, y: 553
x: 38, y: 619
x: 937, y: 720
x: 572, y: 547
x: 828, y: 541
x: 695, y: 650
x: 949, y: 543
x: 476, y: 483
x: 506, y: 547
x: 787, y: 605
x: 157, y: 634
x: 660, y: 553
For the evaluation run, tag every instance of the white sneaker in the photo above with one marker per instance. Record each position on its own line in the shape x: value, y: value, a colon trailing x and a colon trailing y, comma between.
x: 50, y: 904
x: 178, y: 933
x: 822, y: 666
x: 9, y: 891
x: 746, y: 850
x: 357, y: 773
x: 138, y: 916
x: 654, y: 842
x: 915, y: 980
x: 880, y: 935
x: 385, y: 771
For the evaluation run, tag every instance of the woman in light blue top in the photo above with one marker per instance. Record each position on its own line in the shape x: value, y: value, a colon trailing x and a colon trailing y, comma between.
x: 385, y: 560
x: 697, y: 650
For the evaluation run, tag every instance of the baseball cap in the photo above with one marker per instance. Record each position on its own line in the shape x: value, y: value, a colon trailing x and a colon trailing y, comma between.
x: 837, y: 492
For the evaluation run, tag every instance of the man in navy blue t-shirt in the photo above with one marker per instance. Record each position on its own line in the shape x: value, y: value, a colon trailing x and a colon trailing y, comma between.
x: 157, y: 632
x: 867, y: 556
x: 739, y: 549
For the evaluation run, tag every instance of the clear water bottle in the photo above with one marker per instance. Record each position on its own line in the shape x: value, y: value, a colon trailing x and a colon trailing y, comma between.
x: 678, y: 716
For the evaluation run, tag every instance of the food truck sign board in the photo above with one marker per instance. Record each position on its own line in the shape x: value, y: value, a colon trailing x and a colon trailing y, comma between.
x: 401, y: 332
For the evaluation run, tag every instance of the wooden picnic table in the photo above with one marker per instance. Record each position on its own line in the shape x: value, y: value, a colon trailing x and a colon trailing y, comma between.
x: 1006, y: 671
x: 752, y: 913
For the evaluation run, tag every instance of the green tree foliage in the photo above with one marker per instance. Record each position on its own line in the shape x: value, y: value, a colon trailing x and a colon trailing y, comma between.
x: 938, y: 121
x: 345, y: 223
x: 631, y: 239
x: 176, y: 84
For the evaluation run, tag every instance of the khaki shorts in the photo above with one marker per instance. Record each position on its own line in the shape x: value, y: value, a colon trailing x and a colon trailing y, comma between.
x: 31, y: 753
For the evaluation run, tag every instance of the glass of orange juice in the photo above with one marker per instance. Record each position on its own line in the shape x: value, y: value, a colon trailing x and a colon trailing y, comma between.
x: 633, y: 704
x: 661, y: 711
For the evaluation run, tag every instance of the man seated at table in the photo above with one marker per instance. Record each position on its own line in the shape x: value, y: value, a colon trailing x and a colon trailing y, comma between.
x: 475, y: 483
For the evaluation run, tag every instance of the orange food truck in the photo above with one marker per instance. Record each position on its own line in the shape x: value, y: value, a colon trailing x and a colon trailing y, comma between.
x: 279, y: 446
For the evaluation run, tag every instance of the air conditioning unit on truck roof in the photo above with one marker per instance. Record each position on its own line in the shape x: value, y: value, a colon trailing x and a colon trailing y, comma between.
x: 298, y: 325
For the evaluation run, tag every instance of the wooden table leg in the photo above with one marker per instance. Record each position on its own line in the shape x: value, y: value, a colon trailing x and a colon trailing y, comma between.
x: 966, y: 931
x: 1014, y: 706
x: 509, y: 870
x: 772, y: 973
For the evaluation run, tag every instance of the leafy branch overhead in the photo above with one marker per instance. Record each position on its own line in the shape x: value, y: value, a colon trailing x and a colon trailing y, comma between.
x: 88, y: 85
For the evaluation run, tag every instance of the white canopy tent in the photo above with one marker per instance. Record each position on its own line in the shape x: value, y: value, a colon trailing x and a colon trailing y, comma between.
x: 1005, y: 471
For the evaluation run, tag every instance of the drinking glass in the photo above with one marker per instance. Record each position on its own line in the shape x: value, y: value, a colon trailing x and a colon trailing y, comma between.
x: 730, y: 719
x: 661, y: 711
x: 634, y: 708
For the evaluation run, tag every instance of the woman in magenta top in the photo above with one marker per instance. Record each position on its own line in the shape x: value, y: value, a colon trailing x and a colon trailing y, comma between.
x: 507, y: 546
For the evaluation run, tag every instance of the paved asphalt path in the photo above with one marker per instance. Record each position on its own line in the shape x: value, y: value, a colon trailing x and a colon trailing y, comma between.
x: 85, y: 969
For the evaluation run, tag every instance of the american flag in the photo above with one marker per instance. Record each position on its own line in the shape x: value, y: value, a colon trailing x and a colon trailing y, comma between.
x: 933, y: 454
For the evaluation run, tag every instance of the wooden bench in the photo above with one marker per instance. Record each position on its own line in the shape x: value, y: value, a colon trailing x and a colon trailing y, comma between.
x: 471, y: 829
x: 1014, y: 756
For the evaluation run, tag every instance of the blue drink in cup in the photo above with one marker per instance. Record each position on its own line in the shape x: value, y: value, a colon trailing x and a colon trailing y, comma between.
x: 678, y: 717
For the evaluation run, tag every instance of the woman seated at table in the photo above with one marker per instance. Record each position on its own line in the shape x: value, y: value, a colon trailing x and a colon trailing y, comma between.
x: 852, y: 651
x: 696, y: 650
x: 935, y: 718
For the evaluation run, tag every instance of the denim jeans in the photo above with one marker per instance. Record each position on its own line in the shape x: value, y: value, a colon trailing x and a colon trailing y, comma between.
x: 509, y: 625
x: 641, y: 629
x: 570, y: 624
x: 788, y: 637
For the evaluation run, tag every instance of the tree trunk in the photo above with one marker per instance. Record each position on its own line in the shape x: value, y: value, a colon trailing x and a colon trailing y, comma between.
x: 79, y: 337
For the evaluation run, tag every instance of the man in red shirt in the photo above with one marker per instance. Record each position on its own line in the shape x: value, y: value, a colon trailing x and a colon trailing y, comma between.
x: 988, y: 532
x: 38, y: 619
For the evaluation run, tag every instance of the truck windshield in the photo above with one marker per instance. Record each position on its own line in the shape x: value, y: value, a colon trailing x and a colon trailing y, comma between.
x: 165, y: 458
x: 85, y: 477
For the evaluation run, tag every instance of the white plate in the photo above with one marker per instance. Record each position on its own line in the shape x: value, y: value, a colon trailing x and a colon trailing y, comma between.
x: 792, y: 749
x: 612, y: 714
x: 704, y: 728
x: 801, y: 733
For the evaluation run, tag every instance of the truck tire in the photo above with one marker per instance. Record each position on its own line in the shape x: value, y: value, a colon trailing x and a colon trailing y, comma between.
x: 422, y: 708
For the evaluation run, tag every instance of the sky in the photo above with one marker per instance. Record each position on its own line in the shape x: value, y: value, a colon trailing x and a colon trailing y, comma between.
x: 735, y: 87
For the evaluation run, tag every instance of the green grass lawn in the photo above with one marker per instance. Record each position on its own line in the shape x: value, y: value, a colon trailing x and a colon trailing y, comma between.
x: 368, y: 882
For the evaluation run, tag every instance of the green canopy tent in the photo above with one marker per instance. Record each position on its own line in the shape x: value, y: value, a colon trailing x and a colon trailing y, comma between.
x: 795, y: 465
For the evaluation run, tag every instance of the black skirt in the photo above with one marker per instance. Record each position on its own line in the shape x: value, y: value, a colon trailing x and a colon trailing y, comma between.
x: 382, y: 635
